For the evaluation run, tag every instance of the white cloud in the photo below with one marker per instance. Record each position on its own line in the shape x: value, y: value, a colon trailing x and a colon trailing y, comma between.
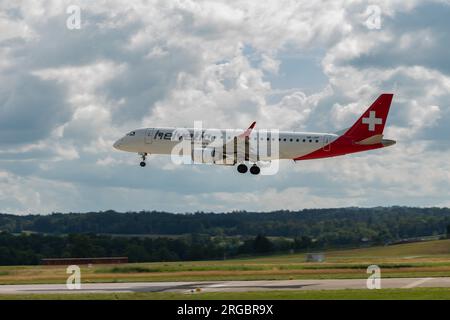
x: 67, y: 95
x: 270, y: 199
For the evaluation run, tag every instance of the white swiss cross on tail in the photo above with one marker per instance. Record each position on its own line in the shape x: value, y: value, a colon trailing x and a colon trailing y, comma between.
x: 372, y: 120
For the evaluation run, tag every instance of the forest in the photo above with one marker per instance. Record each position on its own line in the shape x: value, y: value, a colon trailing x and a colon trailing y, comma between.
x: 162, y: 236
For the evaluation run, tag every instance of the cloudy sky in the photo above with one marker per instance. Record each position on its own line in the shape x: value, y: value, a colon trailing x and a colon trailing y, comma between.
x: 67, y: 94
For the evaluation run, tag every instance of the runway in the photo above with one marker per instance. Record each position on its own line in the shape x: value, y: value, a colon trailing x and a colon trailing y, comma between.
x: 225, y: 286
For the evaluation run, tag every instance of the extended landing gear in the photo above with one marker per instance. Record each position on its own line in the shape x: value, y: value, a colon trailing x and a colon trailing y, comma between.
x: 143, y: 156
x: 242, y: 168
x: 255, y: 170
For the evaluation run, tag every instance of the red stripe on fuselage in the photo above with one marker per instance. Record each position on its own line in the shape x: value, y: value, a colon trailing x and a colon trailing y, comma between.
x: 341, y: 146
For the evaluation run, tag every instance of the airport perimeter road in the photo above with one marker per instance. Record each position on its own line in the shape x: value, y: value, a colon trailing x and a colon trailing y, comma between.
x: 226, y: 286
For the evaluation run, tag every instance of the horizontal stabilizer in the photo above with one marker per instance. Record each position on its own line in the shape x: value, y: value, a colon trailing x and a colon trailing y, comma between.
x: 387, y: 142
x: 371, y: 140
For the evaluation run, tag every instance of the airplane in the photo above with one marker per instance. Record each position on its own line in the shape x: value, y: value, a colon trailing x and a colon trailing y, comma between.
x: 242, y: 147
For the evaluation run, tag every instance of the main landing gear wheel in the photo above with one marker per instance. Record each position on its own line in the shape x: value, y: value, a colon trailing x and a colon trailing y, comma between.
x: 242, y: 168
x: 255, y: 170
x: 143, y: 156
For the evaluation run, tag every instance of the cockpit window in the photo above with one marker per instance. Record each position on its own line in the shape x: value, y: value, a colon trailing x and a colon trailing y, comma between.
x: 132, y: 133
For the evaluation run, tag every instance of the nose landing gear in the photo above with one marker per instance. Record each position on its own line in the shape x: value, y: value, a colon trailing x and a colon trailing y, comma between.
x: 143, y: 156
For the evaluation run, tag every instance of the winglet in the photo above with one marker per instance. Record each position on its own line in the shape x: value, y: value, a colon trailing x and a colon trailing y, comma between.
x: 248, y: 131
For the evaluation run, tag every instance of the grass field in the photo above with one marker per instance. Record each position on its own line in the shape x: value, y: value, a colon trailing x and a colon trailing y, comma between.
x: 422, y: 259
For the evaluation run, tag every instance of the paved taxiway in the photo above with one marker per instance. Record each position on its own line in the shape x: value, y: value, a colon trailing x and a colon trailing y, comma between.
x: 226, y: 286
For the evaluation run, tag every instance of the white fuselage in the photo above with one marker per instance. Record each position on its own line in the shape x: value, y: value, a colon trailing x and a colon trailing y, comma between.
x: 162, y: 140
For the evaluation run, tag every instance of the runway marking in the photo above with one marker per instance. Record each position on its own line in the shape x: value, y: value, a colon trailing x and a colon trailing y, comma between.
x: 416, y: 283
x: 226, y: 286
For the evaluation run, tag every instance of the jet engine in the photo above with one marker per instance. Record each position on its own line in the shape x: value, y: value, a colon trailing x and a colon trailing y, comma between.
x: 211, y: 156
x: 204, y: 155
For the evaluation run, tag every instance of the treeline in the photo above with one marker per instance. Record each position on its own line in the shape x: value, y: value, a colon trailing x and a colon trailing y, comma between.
x: 29, y: 249
x: 343, y: 226
x: 160, y: 236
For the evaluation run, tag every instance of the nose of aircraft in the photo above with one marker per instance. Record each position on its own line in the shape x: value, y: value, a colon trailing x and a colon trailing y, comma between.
x: 117, y: 144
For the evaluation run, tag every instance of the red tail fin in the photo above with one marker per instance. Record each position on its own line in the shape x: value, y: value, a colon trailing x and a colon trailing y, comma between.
x: 372, y: 122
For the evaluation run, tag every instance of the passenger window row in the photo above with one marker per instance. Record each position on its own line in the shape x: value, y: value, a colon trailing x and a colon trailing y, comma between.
x: 291, y: 140
x: 273, y: 139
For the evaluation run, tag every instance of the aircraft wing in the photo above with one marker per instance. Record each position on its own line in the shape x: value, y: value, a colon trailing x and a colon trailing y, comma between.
x: 238, y: 146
